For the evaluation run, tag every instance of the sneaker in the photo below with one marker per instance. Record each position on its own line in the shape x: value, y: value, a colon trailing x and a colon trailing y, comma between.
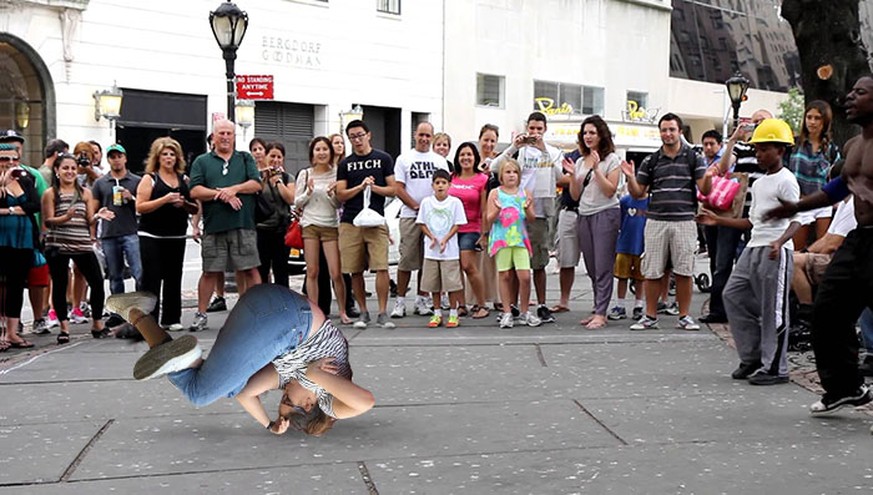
x: 168, y: 357
x: 515, y: 311
x: 713, y: 318
x: 121, y: 304
x: 645, y: 323
x: 544, y: 314
x: 745, y: 370
x: 830, y: 403
x: 85, y: 308
x: 363, y: 320
x: 671, y: 309
x: 40, y: 327
x: 444, y: 301
x: 175, y: 327
x: 506, y: 320
x: 76, y: 317
x: 453, y: 321
x: 383, y: 321
x: 199, y: 323
x: 866, y: 367
x: 52, y: 319
x: 127, y: 331
x: 761, y: 377
x: 687, y: 323
x: 530, y: 319
x: 422, y: 307
x: 114, y: 321
x: 217, y: 304
x: 399, y: 310
x: 435, y: 321
x: 617, y: 313
x: 638, y: 313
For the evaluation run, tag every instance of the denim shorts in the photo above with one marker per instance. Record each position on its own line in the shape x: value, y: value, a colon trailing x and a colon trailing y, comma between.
x: 467, y: 241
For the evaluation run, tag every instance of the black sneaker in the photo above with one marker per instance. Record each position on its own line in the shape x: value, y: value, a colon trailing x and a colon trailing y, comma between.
x: 114, y: 321
x: 866, y: 367
x: 545, y: 314
x: 638, y: 313
x: 745, y: 370
x: 713, y: 318
x: 216, y: 304
x: 761, y: 377
x: 515, y: 311
x: 830, y: 403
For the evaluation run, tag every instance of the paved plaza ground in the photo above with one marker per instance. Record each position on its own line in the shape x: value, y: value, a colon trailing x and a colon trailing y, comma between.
x: 550, y: 410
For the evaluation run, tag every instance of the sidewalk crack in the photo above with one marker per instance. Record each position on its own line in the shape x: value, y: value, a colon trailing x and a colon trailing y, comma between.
x: 601, y: 423
x: 79, y: 458
x: 368, y: 481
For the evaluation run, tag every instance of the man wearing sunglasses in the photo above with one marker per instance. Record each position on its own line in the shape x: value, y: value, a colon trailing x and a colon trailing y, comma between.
x: 225, y: 181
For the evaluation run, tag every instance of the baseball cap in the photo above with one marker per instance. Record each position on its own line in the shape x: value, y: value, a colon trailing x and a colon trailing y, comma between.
x: 11, y: 135
x: 116, y: 147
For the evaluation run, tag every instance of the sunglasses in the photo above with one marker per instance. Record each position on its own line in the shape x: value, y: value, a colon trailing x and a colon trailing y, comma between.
x: 8, y: 158
x: 224, y: 170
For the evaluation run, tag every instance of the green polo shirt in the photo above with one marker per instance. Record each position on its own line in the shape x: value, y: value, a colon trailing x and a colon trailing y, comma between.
x: 40, y: 184
x: 208, y: 171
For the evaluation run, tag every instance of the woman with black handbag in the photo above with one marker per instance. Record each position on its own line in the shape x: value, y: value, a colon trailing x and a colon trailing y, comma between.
x: 274, y: 215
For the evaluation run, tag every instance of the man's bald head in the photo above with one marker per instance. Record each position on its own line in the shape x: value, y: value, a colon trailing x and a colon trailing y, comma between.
x: 223, y: 136
x: 761, y: 115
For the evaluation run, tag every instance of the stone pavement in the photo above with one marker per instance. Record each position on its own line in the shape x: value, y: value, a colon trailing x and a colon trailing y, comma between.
x: 551, y: 410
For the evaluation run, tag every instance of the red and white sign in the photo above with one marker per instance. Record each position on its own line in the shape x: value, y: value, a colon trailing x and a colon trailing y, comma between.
x: 254, y: 87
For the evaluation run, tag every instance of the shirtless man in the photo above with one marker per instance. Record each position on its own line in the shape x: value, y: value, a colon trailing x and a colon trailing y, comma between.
x: 847, y: 287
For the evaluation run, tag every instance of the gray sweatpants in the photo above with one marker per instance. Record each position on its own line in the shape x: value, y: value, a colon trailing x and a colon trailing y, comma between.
x: 756, y: 303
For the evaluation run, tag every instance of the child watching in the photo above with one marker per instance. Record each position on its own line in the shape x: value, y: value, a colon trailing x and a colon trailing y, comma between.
x: 628, y: 250
x: 756, y: 294
x: 508, y: 207
x: 439, y: 216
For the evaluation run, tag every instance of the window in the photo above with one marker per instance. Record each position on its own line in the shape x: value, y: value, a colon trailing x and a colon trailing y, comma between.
x: 388, y: 6
x: 570, y: 94
x: 489, y: 90
x: 592, y: 100
x: 642, y: 99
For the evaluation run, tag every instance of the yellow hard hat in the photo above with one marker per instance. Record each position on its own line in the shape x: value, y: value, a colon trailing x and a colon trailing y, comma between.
x: 773, y: 131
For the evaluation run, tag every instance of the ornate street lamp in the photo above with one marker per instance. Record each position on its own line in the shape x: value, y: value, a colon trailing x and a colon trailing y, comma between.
x: 107, y: 104
x: 229, y: 25
x: 354, y: 113
x: 736, y: 88
x: 245, y: 115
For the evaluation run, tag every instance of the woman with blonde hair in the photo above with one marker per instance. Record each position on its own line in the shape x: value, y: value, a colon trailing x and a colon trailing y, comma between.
x: 488, y: 136
x: 164, y: 205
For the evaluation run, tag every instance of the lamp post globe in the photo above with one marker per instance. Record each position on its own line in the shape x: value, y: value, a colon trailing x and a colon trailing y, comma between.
x: 229, y: 25
x: 737, y: 86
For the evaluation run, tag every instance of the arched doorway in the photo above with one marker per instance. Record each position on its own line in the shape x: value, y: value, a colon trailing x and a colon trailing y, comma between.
x: 27, y: 96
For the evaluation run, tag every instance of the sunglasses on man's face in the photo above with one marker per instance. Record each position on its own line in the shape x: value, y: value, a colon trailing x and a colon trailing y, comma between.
x: 8, y: 158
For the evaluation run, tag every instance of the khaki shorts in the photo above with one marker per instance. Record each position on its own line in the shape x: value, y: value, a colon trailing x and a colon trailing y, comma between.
x: 233, y: 250
x: 568, y: 239
x: 628, y: 266
x: 538, y: 233
x: 441, y: 276
x: 815, y: 266
x: 323, y: 234
x: 363, y: 247
x: 669, y: 241
x: 411, y: 251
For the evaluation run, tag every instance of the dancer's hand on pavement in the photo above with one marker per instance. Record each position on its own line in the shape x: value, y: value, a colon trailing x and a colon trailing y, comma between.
x: 280, y: 426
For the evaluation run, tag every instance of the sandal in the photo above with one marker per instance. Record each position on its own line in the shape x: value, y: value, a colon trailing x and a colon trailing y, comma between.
x: 63, y: 338
x: 4, y: 346
x: 462, y: 310
x: 20, y: 345
x: 476, y: 312
x: 586, y: 321
x: 100, y: 334
x: 559, y: 308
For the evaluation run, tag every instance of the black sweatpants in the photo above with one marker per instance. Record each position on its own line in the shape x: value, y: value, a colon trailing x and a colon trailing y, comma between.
x: 59, y: 264
x: 15, y: 265
x: 274, y: 255
x: 163, y: 260
x: 844, y: 292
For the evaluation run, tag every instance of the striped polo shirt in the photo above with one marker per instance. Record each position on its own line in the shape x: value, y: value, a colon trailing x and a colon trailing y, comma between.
x: 672, y: 184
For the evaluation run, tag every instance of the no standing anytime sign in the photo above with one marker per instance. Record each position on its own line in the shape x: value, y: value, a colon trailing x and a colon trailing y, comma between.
x: 254, y: 87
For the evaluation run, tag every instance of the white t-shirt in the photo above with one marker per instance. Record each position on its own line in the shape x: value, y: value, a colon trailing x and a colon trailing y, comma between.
x: 539, y: 174
x: 844, y: 219
x: 415, y: 169
x: 440, y: 217
x: 766, y: 193
x: 592, y: 199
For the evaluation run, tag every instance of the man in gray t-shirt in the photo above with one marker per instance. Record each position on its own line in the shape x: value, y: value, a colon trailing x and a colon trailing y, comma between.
x: 669, y: 177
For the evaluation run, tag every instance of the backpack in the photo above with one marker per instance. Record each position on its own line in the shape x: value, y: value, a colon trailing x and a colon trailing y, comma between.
x: 690, y: 155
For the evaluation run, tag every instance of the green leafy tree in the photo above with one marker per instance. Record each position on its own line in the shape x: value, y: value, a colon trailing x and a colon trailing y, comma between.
x: 791, y: 109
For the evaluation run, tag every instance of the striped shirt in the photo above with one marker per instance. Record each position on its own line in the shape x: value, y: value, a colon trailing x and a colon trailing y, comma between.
x: 74, y: 235
x: 747, y: 163
x: 672, y: 188
x: 811, y: 169
x: 328, y: 341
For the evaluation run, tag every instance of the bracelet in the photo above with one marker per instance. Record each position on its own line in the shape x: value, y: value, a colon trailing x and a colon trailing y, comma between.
x: 270, y: 425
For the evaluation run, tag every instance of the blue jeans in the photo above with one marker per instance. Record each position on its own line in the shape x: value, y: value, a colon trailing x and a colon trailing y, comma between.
x: 117, y: 250
x: 727, y: 241
x: 268, y: 321
x: 866, y: 321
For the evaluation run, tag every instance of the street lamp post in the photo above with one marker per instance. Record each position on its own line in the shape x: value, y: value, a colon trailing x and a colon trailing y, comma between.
x: 736, y: 88
x: 229, y: 25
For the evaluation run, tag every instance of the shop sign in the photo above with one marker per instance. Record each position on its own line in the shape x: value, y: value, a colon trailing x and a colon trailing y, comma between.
x: 254, y: 87
x: 633, y: 112
x: 624, y: 135
x: 294, y: 51
x: 547, y: 106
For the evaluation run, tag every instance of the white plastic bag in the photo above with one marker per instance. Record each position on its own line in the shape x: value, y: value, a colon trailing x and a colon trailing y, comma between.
x: 368, y: 217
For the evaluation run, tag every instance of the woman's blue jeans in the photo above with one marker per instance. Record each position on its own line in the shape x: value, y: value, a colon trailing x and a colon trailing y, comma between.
x: 267, y: 322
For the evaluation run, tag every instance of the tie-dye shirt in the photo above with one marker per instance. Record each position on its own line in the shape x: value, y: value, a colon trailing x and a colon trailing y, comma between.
x: 509, y: 229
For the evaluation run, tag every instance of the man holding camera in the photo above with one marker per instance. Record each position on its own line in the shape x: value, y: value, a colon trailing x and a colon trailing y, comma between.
x: 115, y: 191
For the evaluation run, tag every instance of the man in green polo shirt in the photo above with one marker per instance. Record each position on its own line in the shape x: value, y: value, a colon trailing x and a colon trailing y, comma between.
x: 225, y: 181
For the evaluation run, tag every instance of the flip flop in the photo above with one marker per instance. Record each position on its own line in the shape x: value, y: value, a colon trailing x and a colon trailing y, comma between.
x: 476, y: 312
x: 596, y: 323
x: 559, y: 308
x: 4, y: 346
x: 20, y: 345
x: 586, y: 321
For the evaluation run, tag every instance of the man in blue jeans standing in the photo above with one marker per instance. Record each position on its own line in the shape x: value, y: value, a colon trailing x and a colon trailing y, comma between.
x: 116, y: 191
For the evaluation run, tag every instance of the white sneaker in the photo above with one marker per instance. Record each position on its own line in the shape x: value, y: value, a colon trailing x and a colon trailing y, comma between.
x: 399, y: 310
x: 200, y: 322
x: 422, y: 307
x: 121, y: 304
x: 362, y: 321
x: 687, y: 323
x: 530, y: 319
x: 168, y: 357
x: 175, y: 327
x: 383, y: 321
x: 506, y: 320
x: 444, y: 301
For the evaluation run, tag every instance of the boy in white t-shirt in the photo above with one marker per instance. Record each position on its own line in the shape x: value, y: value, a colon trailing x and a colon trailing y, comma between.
x: 756, y: 295
x: 439, y: 217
